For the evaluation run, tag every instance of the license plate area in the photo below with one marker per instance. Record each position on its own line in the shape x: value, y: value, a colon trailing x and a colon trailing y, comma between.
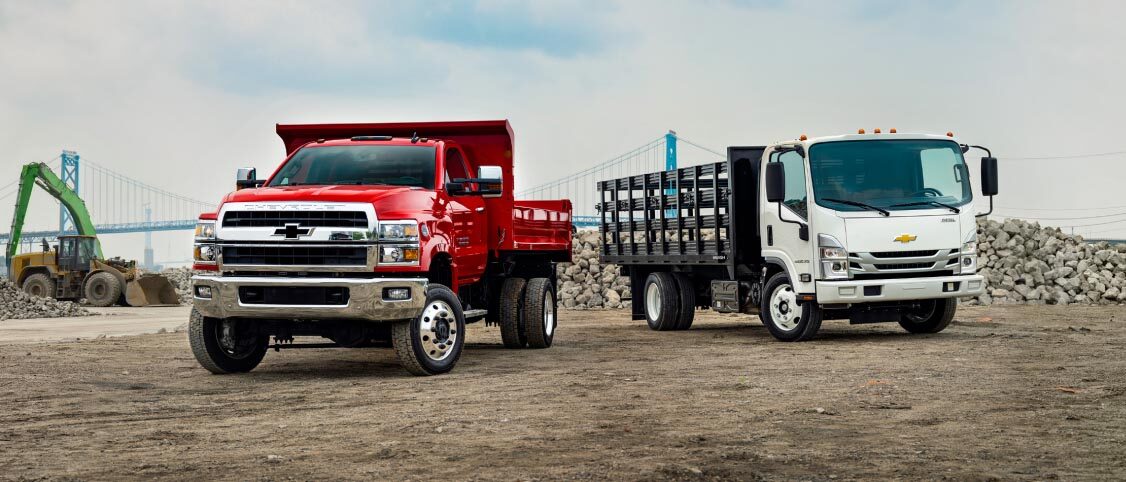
x: 293, y: 295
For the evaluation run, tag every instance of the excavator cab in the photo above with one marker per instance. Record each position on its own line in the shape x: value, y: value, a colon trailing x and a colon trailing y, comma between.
x: 76, y: 253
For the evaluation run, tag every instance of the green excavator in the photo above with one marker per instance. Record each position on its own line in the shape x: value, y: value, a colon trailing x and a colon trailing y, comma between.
x: 75, y: 269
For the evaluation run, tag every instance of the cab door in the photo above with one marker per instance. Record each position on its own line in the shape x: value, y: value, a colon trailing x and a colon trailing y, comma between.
x: 782, y: 222
x: 470, y: 237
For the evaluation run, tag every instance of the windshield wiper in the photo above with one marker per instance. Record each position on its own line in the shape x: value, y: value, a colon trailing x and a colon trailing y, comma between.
x: 859, y: 205
x: 927, y: 203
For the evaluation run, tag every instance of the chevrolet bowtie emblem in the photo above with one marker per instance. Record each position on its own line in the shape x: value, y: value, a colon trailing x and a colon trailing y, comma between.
x: 905, y: 238
x: 293, y: 231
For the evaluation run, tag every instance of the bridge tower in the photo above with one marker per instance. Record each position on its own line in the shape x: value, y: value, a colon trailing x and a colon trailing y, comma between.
x: 148, y: 240
x: 70, y: 178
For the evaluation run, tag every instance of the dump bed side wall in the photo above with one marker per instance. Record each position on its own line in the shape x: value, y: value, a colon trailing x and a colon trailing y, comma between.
x: 542, y: 226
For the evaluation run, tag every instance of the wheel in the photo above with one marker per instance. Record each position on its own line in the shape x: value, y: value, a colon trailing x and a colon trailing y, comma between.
x: 686, y: 302
x: 219, y: 346
x: 540, y: 315
x: 39, y: 284
x: 511, y: 313
x: 661, y: 301
x: 102, y: 289
x: 431, y: 343
x: 783, y: 316
x: 933, y: 316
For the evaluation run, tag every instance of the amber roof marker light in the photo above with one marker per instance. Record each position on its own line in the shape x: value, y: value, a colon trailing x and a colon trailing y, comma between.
x: 861, y: 131
x: 876, y: 130
x: 803, y: 137
x: 949, y: 134
x: 892, y: 130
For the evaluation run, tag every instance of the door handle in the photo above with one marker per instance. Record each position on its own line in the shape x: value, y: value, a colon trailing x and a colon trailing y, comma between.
x: 480, y: 209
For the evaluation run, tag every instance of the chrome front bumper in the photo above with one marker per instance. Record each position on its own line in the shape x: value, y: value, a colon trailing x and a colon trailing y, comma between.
x: 903, y: 289
x: 365, y: 298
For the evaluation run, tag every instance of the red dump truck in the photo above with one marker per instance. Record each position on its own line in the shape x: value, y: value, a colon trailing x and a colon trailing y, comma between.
x: 388, y: 234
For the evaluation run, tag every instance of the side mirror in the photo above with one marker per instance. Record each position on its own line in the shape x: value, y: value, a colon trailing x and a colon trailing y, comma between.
x: 989, y: 176
x: 775, y: 182
x: 246, y: 177
x: 491, y: 181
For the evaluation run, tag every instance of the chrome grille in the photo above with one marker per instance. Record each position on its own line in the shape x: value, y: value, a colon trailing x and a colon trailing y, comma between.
x: 272, y: 219
x: 291, y: 255
x: 922, y: 262
x: 903, y: 254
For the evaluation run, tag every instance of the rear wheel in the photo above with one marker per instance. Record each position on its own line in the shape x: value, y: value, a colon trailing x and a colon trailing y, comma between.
x: 786, y: 319
x: 540, y: 318
x: 39, y: 284
x: 932, y: 316
x: 662, y: 305
x: 102, y: 289
x: 511, y: 313
x: 686, y: 302
x: 431, y: 343
x: 224, y: 346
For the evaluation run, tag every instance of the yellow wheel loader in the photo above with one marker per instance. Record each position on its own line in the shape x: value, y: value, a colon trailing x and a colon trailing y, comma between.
x: 75, y: 269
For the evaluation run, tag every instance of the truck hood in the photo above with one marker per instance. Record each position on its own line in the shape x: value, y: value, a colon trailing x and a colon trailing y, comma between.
x: 922, y: 233
x: 365, y: 194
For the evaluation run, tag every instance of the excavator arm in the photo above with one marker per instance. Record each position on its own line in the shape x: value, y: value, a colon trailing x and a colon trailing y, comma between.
x: 38, y: 173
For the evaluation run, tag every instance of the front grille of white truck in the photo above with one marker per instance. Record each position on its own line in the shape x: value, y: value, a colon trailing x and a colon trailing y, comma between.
x: 305, y: 219
x: 908, y: 264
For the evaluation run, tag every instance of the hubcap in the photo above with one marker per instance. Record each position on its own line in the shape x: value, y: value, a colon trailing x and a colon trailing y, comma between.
x: 784, y: 309
x: 548, y: 313
x: 438, y: 330
x: 652, y: 301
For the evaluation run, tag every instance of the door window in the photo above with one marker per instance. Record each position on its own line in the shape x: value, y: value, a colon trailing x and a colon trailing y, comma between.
x: 794, y: 166
x: 455, y: 165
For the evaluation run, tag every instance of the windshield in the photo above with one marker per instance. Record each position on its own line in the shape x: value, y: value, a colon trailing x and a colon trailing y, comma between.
x: 889, y: 174
x: 360, y: 165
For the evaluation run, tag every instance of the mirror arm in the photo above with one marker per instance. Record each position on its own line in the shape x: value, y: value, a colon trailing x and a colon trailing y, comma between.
x: 803, y: 228
x: 982, y: 215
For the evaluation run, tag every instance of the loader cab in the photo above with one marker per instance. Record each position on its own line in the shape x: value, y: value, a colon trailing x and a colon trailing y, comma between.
x: 76, y: 253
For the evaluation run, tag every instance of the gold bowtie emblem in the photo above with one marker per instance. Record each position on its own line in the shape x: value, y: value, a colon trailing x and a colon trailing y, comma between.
x: 905, y: 238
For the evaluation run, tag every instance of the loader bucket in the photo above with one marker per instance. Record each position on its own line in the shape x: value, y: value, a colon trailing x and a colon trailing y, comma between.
x: 151, y: 289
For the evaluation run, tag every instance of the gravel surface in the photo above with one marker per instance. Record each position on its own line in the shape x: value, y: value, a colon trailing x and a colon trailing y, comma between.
x: 15, y: 304
x: 1012, y: 392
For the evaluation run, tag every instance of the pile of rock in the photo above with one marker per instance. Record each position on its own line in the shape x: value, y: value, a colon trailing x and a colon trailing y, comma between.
x: 15, y: 304
x: 1022, y: 262
x: 181, y: 279
x: 1025, y: 263
x: 586, y: 283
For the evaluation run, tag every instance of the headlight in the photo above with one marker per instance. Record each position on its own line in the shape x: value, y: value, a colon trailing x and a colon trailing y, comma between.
x: 205, y: 230
x: 398, y: 230
x: 834, y: 257
x: 206, y: 253
x: 398, y: 254
x: 967, y: 263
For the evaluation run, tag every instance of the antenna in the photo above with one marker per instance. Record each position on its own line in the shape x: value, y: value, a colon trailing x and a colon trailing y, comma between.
x: 414, y: 138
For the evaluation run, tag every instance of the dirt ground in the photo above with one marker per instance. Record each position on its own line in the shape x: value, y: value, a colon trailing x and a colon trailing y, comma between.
x: 1014, y: 392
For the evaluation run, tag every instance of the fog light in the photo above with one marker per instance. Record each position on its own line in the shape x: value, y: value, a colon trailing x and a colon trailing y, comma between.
x: 203, y: 292
x: 396, y: 294
x: 967, y: 261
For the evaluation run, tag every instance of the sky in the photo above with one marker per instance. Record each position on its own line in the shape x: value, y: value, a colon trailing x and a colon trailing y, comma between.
x: 180, y: 94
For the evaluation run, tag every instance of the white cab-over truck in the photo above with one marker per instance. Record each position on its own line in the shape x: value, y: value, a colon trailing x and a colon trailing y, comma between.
x: 869, y: 227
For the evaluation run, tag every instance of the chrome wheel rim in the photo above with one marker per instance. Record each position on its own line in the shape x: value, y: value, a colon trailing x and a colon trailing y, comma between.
x: 437, y: 329
x: 652, y: 301
x: 548, y: 313
x: 784, y: 308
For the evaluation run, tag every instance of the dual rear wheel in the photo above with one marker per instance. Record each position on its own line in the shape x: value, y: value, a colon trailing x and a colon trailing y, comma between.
x: 528, y: 313
x: 670, y: 301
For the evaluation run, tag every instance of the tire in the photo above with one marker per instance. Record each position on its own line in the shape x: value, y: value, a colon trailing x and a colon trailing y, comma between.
x: 686, y: 301
x: 39, y: 284
x: 102, y: 289
x: 936, y: 315
x: 541, y: 315
x: 511, y: 313
x: 661, y: 302
x: 222, y: 357
x: 779, y: 315
x: 431, y: 343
